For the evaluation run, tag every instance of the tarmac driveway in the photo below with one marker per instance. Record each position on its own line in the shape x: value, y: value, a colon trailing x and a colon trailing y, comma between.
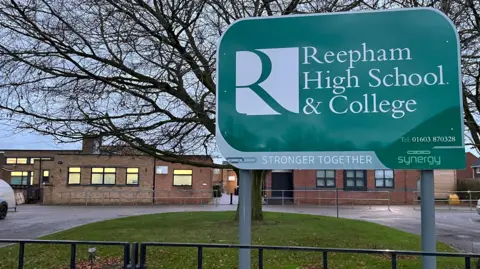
x: 459, y: 228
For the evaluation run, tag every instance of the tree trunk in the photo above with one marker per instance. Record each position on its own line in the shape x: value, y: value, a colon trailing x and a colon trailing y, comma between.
x: 258, y: 176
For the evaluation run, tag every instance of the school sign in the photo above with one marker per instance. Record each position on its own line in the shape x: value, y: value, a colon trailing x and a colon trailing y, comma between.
x: 367, y: 90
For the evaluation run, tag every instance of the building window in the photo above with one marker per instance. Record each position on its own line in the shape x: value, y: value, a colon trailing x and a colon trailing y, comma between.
x: 132, y: 176
x: 384, y: 179
x: 103, y: 176
x: 355, y: 180
x: 46, y: 176
x: 16, y: 160
x: 74, y: 175
x: 20, y: 178
x: 182, y: 177
x: 326, y: 178
x: 32, y: 160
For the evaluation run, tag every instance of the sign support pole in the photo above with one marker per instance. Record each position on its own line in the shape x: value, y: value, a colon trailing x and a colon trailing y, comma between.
x: 245, y: 217
x: 429, y: 240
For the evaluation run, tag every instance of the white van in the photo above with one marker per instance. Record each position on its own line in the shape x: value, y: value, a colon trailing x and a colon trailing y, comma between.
x: 7, y: 194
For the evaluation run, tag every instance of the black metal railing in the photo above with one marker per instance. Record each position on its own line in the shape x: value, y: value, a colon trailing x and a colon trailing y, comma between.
x: 135, y: 254
x: 73, y: 248
x: 325, y: 251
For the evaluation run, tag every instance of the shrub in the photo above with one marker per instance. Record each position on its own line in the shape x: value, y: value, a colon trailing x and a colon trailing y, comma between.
x: 468, y: 185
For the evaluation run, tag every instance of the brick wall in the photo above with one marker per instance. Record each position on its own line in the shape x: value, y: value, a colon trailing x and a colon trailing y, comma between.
x: 59, y: 192
x: 229, y: 186
x: 468, y: 171
x: 201, y: 191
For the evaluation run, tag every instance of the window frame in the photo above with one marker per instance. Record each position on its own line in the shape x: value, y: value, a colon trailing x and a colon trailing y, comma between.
x: 27, y: 160
x: 130, y: 173
x: 384, y: 179
x: 27, y: 178
x: 32, y: 160
x: 79, y: 175
x: 325, y: 178
x: 191, y: 177
x: 103, y: 176
x: 43, y: 176
x: 355, y: 178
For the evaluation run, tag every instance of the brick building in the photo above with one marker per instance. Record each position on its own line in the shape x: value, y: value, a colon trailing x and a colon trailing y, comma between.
x: 103, y: 175
x: 359, y: 186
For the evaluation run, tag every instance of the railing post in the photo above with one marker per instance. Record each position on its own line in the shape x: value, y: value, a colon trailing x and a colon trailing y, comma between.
x: 414, y: 200
x: 394, y: 261
x: 260, y: 258
x: 73, y: 252
x: 134, y: 255
x: 470, y: 199
x: 21, y: 253
x: 389, y: 197
x: 231, y: 198
x: 325, y: 260
x: 467, y: 263
x: 336, y: 200
x: 143, y: 256
x: 200, y: 258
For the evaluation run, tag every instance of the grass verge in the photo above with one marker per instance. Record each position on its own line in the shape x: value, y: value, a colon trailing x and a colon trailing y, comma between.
x: 219, y: 227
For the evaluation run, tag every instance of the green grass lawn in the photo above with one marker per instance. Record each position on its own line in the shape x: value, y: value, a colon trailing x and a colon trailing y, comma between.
x: 219, y: 227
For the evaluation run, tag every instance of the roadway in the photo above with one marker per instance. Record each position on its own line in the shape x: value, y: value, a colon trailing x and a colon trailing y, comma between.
x: 458, y: 227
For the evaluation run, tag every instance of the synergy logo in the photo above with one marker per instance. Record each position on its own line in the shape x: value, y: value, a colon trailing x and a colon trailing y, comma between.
x: 267, y: 81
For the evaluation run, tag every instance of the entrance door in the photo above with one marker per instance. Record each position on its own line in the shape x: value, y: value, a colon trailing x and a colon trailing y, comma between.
x: 282, y: 186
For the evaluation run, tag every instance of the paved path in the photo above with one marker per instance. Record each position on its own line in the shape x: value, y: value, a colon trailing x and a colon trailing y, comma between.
x: 459, y: 228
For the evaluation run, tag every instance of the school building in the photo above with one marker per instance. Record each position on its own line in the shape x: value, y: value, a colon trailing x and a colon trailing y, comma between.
x: 99, y: 174
x: 323, y: 187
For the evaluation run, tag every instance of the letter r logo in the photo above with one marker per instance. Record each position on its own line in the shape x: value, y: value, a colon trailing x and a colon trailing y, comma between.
x: 267, y: 81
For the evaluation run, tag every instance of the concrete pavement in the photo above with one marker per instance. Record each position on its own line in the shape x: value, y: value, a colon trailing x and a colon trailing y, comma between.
x: 459, y: 228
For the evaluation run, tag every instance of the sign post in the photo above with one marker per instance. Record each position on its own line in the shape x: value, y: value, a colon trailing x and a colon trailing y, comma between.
x: 429, y: 234
x: 350, y: 91
x: 245, y: 217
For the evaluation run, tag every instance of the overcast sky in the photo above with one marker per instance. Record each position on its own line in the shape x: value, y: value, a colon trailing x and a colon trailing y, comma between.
x: 10, y: 140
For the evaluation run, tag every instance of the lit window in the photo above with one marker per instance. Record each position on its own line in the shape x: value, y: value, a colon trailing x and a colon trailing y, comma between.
x: 384, y: 178
x: 11, y: 161
x: 16, y: 161
x: 101, y: 176
x: 182, y: 177
x: 326, y: 178
x: 46, y: 176
x: 20, y: 178
x: 22, y: 160
x: 32, y: 160
x: 132, y: 176
x: 74, y: 175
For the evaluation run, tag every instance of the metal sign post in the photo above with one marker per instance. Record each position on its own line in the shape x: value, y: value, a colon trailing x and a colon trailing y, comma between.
x: 429, y: 235
x: 245, y: 217
x: 343, y: 90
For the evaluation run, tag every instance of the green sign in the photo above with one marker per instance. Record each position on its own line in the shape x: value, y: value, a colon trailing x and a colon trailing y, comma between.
x: 356, y: 90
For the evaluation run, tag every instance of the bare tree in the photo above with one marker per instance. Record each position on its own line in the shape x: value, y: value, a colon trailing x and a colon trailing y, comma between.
x: 137, y: 71
x: 142, y: 72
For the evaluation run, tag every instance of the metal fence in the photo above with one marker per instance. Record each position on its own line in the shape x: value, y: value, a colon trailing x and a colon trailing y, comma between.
x: 299, y: 197
x: 133, y: 197
x: 393, y: 254
x: 332, y: 197
x: 135, y: 254
x: 465, y: 199
x: 73, y: 249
